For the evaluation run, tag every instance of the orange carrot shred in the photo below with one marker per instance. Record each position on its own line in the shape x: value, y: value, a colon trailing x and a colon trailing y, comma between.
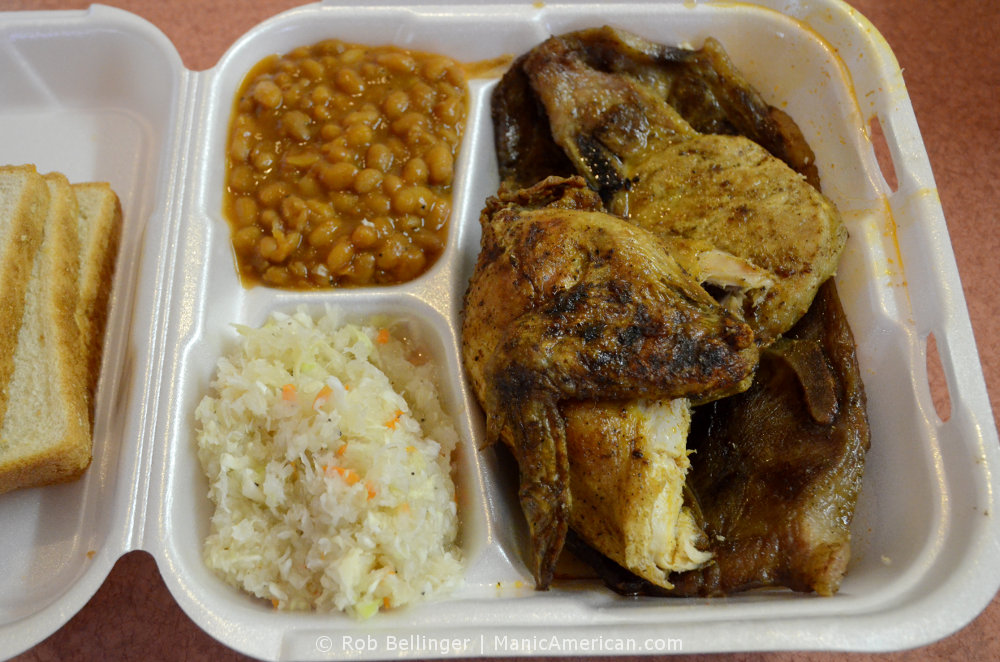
x: 382, y: 337
x: 274, y: 602
x: 371, y: 489
x: 288, y: 392
x: 323, y: 395
x: 342, y: 450
x: 395, y: 419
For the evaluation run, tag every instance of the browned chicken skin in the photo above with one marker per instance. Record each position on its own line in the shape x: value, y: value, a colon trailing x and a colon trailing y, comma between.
x: 722, y: 191
x: 777, y: 469
x: 740, y: 213
x: 567, y: 303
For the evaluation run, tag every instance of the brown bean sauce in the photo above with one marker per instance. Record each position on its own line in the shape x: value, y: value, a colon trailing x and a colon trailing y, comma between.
x: 340, y: 164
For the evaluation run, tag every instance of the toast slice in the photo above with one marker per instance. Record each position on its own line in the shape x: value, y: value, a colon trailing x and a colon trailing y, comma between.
x: 24, y: 198
x: 45, y: 434
x: 99, y: 226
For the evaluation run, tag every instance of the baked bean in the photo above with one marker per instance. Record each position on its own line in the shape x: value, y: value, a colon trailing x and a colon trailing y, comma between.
x: 370, y: 71
x: 449, y: 111
x: 312, y: 68
x: 241, y: 179
x: 300, y: 160
x: 322, y: 111
x: 275, y: 275
x: 440, y: 164
x: 245, y: 239
x: 338, y: 176
x: 435, y: 68
x: 391, y: 184
x: 448, y: 137
x: 378, y: 203
x: 297, y: 125
x: 410, y: 264
x: 395, y: 104
x: 330, y: 131
x: 367, y: 180
x: 283, y: 80
x: 262, y: 159
x: 349, y: 81
x: 359, y: 135
x: 388, y: 256
x: 309, y: 188
x: 267, y: 246
x: 344, y: 202
x: 379, y: 157
x: 382, y: 226
x: 340, y: 255
x: 245, y: 209
x: 364, y: 236
x: 239, y: 147
x: 272, y: 194
x: 292, y: 96
x: 323, y: 235
x: 456, y: 76
x: 400, y: 151
x: 352, y: 55
x: 428, y: 241
x: 411, y: 199
x: 361, y: 270
x: 422, y: 96
x: 367, y: 115
x: 397, y: 62
x: 407, y: 122
x: 415, y: 171
x: 438, y: 214
x: 337, y: 150
x: 267, y: 94
x: 340, y: 162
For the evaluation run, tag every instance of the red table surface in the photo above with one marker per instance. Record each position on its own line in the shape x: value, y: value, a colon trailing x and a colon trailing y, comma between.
x: 947, y: 50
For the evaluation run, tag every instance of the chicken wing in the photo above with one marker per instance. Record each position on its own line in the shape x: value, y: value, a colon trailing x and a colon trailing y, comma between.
x: 567, y: 303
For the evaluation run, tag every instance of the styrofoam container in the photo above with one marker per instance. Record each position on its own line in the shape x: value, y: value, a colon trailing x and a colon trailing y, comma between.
x: 101, y: 94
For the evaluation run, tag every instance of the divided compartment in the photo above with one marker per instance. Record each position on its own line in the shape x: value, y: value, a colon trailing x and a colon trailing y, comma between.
x: 177, y: 295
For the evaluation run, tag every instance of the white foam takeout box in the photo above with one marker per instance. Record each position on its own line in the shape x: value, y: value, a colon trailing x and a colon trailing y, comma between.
x: 102, y: 94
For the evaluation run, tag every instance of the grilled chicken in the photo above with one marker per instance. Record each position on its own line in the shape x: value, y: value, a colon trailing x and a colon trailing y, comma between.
x: 676, y: 142
x: 568, y: 303
x: 628, y: 461
x: 653, y: 168
x: 776, y: 470
x: 702, y: 85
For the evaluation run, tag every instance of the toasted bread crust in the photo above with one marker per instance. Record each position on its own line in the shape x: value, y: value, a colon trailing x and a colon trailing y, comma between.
x: 100, y: 236
x: 24, y: 199
x: 53, y: 445
x: 54, y: 350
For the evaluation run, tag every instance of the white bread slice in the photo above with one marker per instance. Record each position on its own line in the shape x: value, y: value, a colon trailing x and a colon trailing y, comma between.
x: 100, y: 224
x: 45, y: 436
x: 24, y: 198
